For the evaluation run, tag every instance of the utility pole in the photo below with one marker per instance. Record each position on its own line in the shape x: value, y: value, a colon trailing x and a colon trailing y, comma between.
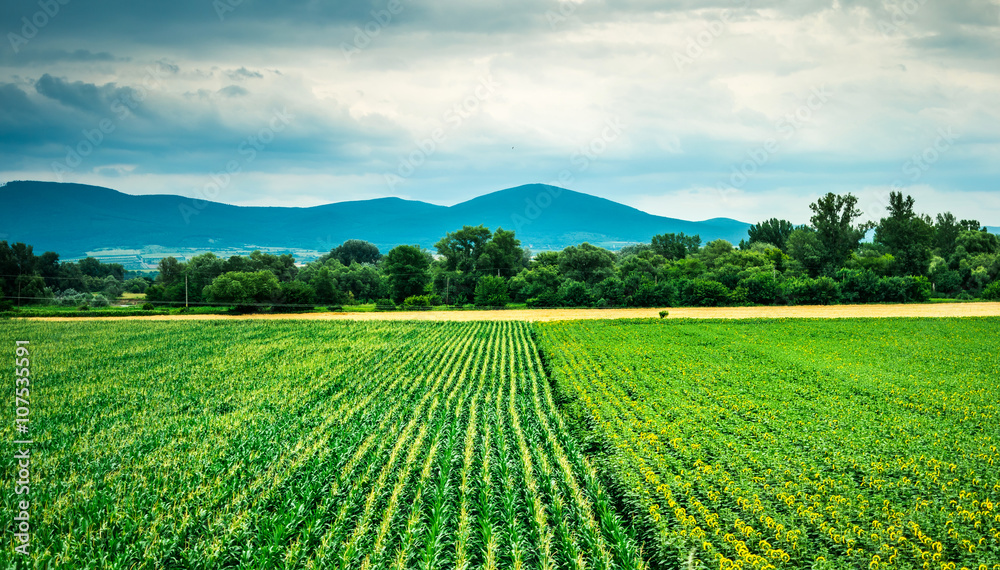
x: 185, y: 290
x: 447, y: 289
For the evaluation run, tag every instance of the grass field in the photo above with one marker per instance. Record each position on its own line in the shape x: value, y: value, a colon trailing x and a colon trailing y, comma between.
x: 306, y: 445
x: 795, y: 444
x: 675, y: 443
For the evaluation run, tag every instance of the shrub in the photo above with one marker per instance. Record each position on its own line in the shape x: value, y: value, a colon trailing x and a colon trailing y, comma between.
x: 417, y: 303
x: 491, y: 291
x: 705, y: 293
x: 663, y: 314
x: 992, y: 292
x: 147, y: 306
x: 385, y: 305
x: 83, y: 308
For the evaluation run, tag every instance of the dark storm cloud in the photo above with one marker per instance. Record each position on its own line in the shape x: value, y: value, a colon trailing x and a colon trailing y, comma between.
x: 80, y: 95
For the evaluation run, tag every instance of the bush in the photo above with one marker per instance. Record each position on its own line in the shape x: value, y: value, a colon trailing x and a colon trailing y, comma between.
x: 663, y: 314
x: 705, y: 293
x: 575, y: 294
x: 992, y: 292
x: 147, y: 306
x: 83, y: 308
x: 492, y: 291
x: 385, y: 305
x: 417, y: 303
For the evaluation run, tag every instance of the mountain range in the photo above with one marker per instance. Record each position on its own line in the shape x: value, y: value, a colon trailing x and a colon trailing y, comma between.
x: 72, y: 219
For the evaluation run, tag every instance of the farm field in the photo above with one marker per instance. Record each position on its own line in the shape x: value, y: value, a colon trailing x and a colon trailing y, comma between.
x: 827, y: 444
x: 263, y: 444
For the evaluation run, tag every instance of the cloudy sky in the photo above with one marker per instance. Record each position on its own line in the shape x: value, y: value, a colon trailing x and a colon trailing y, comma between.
x: 691, y: 109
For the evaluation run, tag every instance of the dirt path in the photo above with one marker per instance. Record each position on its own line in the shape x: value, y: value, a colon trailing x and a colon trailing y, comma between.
x: 829, y: 312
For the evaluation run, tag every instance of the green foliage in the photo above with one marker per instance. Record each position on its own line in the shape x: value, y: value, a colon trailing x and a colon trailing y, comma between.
x: 773, y: 231
x: 356, y: 251
x: 805, y: 247
x: 705, y: 293
x: 675, y: 246
x: 246, y: 291
x: 573, y: 293
x: 992, y: 292
x: 586, y: 263
x: 492, y: 291
x: 746, y: 427
x: 295, y: 295
x: 417, y: 303
x: 907, y: 236
x: 330, y: 443
x: 833, y: 218
x: 406, y: 267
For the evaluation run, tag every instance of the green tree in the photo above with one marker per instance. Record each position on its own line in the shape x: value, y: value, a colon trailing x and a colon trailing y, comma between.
x: 907, y: 236
x: 503, y: 254
x: 833, y: 218
x: 586, y: 263
x: 773, y: 231
x: 294, y: 295
x: 805, y: 247
x: 491, y: 291
x: 715, y: 251
x: 171, y: 271
x: 675, y: 246
x: 247, y: 291
x: 324, y: 286
x: 356, y: 250
x: 573, y: 293
x: 462, y: 248
x: 407, y: 269
x: 946, y: 231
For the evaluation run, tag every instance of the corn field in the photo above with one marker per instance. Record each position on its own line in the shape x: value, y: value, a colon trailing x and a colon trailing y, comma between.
x: 304, y: 445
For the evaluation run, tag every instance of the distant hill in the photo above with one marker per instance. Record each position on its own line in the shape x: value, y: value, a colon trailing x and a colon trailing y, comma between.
x: 72, y: 219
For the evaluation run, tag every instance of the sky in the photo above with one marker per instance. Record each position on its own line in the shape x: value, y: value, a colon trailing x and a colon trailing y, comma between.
x: 689, y: 109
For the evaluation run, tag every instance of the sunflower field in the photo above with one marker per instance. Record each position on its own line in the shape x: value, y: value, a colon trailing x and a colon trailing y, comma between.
x: 825, y: 444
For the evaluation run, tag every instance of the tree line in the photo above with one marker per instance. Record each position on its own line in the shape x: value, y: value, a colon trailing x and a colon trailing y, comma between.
x: 910, y: 258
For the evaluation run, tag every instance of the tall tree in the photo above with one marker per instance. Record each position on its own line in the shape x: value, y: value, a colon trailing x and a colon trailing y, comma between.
x: 946, y: 234
x: 773, y: 231
x: 171, y: 271
x: 833, y: 218
x: 503, y: 254
x: 462, y: 248
x: 406, y: 267
x: 356, y: 250
x: 907, y: 236
x: 586, y: 263
x: 675, y: 246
